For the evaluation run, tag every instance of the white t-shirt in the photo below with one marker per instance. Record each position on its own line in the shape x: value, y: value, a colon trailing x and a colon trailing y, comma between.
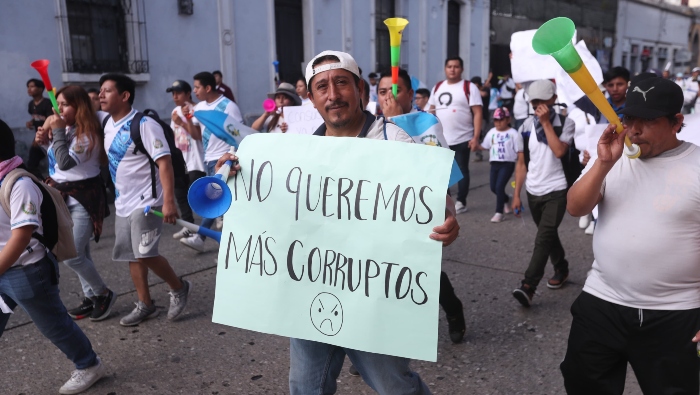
x: 503, y: 146
x: 25, y: 202
x: 215, y: 148
x: 277, y: 128
x: 581, y: 119
x: 88, y: 163
x: 306, y: 101
x: 521, y: 107
x: 131, y: 173
x: 545, y: 173
x: 505, y: 93
x: 191, y: 149
x: 453, y: 110
x: 647, y: 239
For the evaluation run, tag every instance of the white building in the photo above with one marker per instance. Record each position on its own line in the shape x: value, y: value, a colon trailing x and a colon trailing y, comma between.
x: 650, y: 34
x: 159, y: 41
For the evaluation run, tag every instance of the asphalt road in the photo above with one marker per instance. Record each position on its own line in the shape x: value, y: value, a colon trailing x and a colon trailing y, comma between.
x: 507, y: 350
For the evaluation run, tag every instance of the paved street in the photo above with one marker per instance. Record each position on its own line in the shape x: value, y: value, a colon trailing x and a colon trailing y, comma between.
x: 507, y: 349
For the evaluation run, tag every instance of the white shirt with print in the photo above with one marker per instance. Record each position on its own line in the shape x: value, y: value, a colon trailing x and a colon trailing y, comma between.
x: 215, y: 148
x: 131, y: 173
x: 545, y: 173
x: 87, y: 162
x: 191, y: 149
x: 25, y: 202
x: 453, y: 110
x: 504, y: 145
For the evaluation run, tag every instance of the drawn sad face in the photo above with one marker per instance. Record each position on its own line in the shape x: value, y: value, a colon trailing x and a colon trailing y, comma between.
x: 327, y: 314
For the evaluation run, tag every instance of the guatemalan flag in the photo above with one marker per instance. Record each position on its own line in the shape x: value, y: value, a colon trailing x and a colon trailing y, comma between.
x: 224, y: 127
x: 425, y: 128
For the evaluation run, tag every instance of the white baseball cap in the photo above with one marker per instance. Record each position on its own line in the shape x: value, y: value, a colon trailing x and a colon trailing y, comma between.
x: 346, y: 62
x: 541, y: 90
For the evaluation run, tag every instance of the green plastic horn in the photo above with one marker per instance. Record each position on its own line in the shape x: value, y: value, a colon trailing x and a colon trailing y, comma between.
x: 555, y: 38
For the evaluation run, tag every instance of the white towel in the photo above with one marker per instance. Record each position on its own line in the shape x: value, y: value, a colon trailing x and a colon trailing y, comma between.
x: 5, y: 308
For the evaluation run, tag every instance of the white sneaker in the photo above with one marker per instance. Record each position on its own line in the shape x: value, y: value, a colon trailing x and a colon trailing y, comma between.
x: 219, y: 223
x: 584, y: 221
x: 498, y: 217
x: 590, y: 229
x: 82, y: 379
x: 194, y: 242
x: 460, y: 208
x: 506, y: 207
x: 183, y: 233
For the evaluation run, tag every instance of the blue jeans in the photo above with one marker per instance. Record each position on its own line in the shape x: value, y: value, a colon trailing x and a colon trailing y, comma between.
x: 211, y: 171
x: 314, y: 368
x: 500, y: 174
x: 34, y: 288
x: 82, y: 265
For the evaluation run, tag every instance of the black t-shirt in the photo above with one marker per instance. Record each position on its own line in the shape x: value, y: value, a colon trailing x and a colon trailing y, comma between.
x: 43, y: 109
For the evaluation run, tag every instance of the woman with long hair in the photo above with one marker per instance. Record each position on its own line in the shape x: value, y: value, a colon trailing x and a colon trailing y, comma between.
x: 273, y: 121
x: 74, y: 144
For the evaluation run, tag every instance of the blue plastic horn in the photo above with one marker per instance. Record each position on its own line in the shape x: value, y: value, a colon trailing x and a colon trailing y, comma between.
x: 210, y: 197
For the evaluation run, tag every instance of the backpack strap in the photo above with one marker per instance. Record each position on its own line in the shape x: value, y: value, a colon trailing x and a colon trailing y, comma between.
x: 437, y: 86
x: 6, y: 192
x: 135, y: 133
x: 466, y: 90
x: 104, y: 121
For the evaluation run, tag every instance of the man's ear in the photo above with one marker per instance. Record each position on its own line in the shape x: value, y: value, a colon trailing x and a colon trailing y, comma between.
x: 125, y: 96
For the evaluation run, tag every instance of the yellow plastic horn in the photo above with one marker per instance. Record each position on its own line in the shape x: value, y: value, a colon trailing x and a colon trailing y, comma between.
x: 396, y: 26
x: 555, y: 38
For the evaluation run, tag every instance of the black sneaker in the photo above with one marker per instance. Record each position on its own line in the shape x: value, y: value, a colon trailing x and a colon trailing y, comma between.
x: 558, y: 280
x: 103, y: 306
x: 353, y: 371
x: 524, y: 295
x: 456, y: 326
x: 82, y: 311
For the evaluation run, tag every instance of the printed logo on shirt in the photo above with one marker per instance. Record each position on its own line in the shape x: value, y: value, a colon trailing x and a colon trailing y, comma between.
x: 448, y: 100
x: 29, y: 208
x: 79, y: 148
x: 157, y: 144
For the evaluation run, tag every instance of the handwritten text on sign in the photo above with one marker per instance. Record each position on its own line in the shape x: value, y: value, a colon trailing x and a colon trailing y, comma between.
x: 327, y: 240
x: 302, y: 119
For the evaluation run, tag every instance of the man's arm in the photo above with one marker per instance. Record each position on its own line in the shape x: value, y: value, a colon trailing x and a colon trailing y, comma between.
x: 19, y: 240
x: 557, y: 146
x: 167, y: 181
x: 520, y: 173
x: 477, y: 117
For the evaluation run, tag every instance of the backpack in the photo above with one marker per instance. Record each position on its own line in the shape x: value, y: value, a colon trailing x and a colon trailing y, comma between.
x: 178, y: 160
x: 569, y: 162
x: 55, y: 216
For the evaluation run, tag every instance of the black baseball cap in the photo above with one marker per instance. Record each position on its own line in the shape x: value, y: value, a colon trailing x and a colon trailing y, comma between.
x: 649, y: 97
x: 179, y: 86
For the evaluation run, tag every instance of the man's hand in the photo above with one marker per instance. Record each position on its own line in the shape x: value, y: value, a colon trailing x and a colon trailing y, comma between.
x: 176, y: 119
x: 186, y: 110
x: 448, y: 231
x: 30, y: 124
x: 169, y: 211
x: 610, y: 145
x: 284, y: 127
x: 517, y: 206
x: 474, y: 145
x: 542, y: 112
x: 233, y: 158
x: 390, y: 107
x: 586, y: 157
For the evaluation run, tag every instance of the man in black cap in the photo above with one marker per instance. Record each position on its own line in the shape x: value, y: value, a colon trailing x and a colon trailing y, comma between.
x: 640, y: 304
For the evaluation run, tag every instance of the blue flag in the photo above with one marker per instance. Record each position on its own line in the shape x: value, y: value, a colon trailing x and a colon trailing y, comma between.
x: 425, y: 129
x: 224, y: 127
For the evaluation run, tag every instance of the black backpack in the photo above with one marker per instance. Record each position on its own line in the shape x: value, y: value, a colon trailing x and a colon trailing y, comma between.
x: 569, y: 162
x: 178, y: 160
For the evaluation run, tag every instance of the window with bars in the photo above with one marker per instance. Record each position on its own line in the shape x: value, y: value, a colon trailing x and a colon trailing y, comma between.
x: 104, y: 36
x: 384, y: 9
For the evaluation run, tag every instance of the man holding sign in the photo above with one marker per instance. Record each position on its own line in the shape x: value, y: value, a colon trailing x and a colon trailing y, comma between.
x: 335, y: 89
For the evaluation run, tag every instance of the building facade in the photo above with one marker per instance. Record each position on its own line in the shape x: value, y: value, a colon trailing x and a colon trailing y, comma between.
x: 158, y: 41
x: 652, y: 35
